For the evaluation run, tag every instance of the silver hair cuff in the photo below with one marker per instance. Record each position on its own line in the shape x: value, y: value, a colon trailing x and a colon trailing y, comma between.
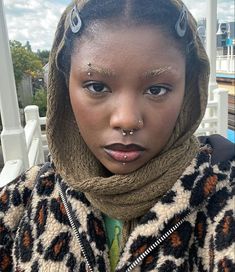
x: 75, y: 20
x: 182, y: 22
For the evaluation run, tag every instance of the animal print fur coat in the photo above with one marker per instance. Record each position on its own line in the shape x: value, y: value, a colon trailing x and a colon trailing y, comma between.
x: 191, y: 228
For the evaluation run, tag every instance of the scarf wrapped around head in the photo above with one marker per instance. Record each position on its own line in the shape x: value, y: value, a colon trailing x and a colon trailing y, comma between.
x: 122, y: 196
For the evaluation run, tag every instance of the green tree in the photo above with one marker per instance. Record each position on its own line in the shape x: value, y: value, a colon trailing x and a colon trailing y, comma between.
x: 44, y: 56
x: 28, y: 46
x: 25, y: 61
x: 40, y: 99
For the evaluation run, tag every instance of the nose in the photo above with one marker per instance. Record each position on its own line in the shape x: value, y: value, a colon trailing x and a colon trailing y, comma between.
x: 127, y: 114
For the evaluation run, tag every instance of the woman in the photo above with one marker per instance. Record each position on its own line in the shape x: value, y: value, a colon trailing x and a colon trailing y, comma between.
x: 129, y: 187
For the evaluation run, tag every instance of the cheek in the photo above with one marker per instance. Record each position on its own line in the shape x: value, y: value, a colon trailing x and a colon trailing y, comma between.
x: 86, y: 117
x: 166, y: 117
x: 79, y: 109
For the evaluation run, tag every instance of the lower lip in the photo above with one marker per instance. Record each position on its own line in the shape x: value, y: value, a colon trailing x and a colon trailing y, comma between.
x: 124, y: 156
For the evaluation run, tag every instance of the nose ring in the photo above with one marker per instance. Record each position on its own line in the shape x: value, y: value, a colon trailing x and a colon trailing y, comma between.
x: 140, y: 123
x: 125, y: 132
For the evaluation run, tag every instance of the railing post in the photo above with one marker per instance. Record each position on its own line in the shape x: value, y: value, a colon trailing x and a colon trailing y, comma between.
x: 211, y: 27
x: 32, y: 113
x: 218, y: 63
x: 228, y: 65
x: 12, y: 136
x: 221, y: 97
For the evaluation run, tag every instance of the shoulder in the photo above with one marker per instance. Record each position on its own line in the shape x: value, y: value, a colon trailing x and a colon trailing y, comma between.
x: 222, y: 149
x: 18, y: 190
x: 15, y: 196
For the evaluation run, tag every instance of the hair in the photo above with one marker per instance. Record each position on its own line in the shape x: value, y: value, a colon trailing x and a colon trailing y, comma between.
x: 160, y: 13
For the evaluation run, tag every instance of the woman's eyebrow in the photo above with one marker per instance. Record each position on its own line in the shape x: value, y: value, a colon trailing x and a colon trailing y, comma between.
x: 105, y: 72
x: 156, y: 72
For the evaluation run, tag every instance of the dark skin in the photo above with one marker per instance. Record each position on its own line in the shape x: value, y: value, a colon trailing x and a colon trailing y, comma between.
x: 130, y: 78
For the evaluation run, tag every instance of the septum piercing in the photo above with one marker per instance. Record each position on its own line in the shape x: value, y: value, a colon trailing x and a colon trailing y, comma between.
x: 125, y: 132
x: 131, y: 131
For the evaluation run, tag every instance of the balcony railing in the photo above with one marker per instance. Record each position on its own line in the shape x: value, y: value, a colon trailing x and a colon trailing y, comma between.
x: 34, y: 137
x: 225, y: 64
x: 215, y: 120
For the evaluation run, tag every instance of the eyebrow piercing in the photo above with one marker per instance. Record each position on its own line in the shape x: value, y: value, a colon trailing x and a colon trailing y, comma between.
x: 89, y: 65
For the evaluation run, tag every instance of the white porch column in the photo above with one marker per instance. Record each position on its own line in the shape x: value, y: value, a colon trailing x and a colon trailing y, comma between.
x: 12, y: 136
x: 211, y: 28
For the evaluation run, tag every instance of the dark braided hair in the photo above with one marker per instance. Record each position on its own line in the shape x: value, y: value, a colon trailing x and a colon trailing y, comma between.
x: 162, y: 13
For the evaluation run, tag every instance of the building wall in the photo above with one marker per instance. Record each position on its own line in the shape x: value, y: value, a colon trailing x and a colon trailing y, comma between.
x: 25, y: 91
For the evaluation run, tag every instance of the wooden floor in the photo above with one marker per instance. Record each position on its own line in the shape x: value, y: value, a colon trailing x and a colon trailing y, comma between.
x: 229, y: 87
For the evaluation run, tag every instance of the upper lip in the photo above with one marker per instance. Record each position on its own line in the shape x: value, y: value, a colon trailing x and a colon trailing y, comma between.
x: 125, y: 147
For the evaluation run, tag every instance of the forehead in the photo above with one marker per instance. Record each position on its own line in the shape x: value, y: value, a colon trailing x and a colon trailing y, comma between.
x: 122, y: 44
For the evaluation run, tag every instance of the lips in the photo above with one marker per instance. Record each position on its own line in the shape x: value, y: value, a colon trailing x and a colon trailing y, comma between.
x: 124, y: 153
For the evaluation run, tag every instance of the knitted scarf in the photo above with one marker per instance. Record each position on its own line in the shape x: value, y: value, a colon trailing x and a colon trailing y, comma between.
x: 127, y: 196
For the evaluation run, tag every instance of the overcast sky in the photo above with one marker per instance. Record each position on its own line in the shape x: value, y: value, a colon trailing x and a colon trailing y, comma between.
x: 35, y: 20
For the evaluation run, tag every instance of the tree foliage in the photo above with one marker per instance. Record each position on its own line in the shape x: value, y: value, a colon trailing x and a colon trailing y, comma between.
x: 44, y: 56
x: 40, y: 99
x: 25, y: 61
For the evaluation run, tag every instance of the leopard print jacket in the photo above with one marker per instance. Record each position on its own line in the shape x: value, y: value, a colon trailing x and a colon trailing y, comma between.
x: 191, y: 228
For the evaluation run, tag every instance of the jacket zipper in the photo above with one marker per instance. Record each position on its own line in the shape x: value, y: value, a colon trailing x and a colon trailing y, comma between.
x: 155, y: 245
x: 71, y: 220
x: 139, y: 259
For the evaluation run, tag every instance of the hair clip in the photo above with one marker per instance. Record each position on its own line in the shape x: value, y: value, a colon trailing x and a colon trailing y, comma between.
x: 182, y: 22
x: 75, y: 20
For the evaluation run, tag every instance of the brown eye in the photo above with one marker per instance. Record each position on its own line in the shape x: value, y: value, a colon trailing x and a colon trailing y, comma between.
x: 158, y: 90
x: 96, y: 87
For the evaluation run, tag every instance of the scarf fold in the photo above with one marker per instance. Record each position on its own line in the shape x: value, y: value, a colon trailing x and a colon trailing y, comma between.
x: 126, y: 197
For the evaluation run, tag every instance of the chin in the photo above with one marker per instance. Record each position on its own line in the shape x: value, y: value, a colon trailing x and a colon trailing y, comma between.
x: 122, y: 169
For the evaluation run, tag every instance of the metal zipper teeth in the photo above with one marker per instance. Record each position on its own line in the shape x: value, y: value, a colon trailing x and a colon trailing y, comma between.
x: 74, y: 228
x: 154, y: 245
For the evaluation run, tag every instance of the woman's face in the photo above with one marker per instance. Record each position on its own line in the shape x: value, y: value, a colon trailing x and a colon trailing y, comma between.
x: 126, y: 78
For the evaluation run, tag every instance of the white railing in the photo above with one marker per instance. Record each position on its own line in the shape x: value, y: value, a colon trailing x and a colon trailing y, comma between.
x: 215, y: 120
x: 225, y: 64
x: 33, y: 135
x: 34, y: 143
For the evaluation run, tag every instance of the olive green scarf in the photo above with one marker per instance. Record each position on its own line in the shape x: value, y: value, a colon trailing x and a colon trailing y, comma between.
x: 122, y: 196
